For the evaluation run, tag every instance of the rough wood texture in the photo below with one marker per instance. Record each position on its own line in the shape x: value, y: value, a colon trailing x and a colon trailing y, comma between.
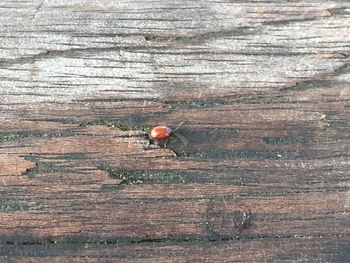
x: 263, y: 88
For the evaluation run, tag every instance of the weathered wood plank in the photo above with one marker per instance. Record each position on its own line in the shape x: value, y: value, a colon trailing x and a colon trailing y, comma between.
x: 193, y: 251
x: 263, y: 89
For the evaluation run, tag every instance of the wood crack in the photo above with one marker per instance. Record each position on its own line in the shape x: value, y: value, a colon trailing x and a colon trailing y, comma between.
x: 320, y: 81
x: 38, y: 9
x: 60, y: 53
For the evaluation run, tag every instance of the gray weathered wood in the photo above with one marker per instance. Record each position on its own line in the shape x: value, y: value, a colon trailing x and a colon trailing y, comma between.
x: 262, y: 86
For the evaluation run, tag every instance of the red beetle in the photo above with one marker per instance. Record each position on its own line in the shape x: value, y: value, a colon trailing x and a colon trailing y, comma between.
x: 160, y: 134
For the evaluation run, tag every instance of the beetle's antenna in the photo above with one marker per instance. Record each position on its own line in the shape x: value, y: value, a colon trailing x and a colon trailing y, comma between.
x: 178, y: 135
x: 178, y: 126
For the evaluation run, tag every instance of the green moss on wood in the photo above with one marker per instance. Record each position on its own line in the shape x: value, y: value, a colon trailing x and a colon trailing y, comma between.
x: 222, y: 154
x: 286, y: 140
x: 115, y: 124
x: 10, y: 136
x: 338, y: 126
x: 128, y: 176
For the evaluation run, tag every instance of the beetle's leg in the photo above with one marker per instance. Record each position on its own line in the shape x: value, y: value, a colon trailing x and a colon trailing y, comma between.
x: 161, y: 144
x: 150, y: 142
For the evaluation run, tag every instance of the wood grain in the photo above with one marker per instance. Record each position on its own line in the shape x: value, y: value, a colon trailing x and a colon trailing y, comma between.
x: 262, y: 86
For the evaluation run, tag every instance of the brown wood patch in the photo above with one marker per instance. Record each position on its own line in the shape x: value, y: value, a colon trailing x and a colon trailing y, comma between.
x: 263, y: 89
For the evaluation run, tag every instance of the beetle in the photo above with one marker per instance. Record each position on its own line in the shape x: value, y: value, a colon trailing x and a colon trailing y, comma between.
x: 160, y: 135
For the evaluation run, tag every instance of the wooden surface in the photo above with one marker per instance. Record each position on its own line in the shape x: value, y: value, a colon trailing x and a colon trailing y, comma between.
x: 262, y: 86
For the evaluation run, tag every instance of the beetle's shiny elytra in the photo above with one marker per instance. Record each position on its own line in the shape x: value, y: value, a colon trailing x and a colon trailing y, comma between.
x: 159, y: 133
x: 162, y: 133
